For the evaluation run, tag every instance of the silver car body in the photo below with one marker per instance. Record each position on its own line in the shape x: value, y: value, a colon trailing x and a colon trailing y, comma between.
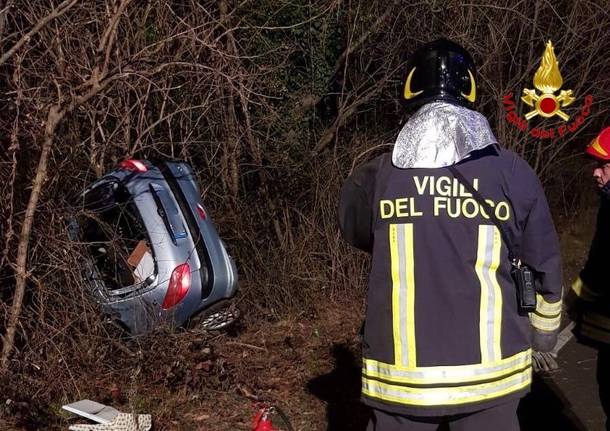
x: 179, y: 231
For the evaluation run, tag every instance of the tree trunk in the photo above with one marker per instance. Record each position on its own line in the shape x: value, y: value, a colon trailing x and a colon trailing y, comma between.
x: 54, y: 117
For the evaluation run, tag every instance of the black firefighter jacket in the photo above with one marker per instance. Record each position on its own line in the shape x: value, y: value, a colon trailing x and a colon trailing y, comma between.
x: 442, y: 333
x: 592, y: 285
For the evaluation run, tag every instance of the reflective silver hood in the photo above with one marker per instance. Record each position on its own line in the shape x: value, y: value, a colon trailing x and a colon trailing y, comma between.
x: 440, y: 134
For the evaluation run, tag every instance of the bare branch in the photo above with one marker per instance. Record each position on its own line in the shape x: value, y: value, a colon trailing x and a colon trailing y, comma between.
x: 55, y: 13
x: 55, y: 115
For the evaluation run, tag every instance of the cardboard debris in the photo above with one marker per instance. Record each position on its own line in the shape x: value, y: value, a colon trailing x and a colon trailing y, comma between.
x: 142, y: 261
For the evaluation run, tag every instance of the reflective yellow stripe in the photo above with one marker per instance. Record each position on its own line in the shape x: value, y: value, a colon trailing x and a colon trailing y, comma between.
x: 447, y: 374
x: 545, y: 323
x: 547, y: 316
x: 583, y: 291
x: 490, y: 313
x: 547, y: 308
x: 481, y: 257
x: 395, y: 268
x: 411, y: 296
x: 497, y: 246
x: 403, y: 293
x: 446, y: 395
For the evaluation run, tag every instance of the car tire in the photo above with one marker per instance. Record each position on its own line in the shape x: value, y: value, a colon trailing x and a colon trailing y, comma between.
x: 219, y: 317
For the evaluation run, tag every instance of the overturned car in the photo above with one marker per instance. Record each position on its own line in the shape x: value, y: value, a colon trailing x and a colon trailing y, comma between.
x: 151, y: 251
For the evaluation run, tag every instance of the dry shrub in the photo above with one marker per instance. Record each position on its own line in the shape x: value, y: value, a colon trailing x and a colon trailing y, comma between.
x: 273, y: 103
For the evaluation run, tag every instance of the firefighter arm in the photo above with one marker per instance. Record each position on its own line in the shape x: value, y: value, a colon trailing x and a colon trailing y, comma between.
x: 355, y: 213
x: 581, y: 291
x: 579, y: 298
x: 540, y: 251
x: 591, y: 285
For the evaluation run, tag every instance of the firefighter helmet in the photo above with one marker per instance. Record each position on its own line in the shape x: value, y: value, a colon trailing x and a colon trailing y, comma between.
x: 440, y: 71
x: 600, y: 146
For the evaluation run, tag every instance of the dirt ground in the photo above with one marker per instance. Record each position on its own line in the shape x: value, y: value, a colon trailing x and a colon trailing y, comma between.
x: 309, y: 366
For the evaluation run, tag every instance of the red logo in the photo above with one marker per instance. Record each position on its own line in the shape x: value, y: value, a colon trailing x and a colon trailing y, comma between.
x: 521, y: 123
x: 545, y: 103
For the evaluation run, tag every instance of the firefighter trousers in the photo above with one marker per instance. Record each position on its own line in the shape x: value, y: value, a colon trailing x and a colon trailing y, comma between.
x: 603, y: 380
x: 499, y: 418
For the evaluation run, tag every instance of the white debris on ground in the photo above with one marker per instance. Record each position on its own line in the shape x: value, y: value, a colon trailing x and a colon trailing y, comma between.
x: 122, y: 422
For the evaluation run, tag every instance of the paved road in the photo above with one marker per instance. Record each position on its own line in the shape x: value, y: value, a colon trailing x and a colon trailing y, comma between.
x: 567, y: 400
x: 576, y: 380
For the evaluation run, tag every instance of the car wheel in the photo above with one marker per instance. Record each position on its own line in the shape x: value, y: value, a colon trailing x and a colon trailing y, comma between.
x: 219, y: 317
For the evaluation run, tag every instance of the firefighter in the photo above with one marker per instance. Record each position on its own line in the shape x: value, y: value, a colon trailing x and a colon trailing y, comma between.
x: 444, y: 343
x: 592, y: 307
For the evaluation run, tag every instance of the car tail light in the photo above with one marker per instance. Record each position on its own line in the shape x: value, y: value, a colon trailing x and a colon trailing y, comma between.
x: 179, y: 285
x: 201, y: 211
x: 133, y: 165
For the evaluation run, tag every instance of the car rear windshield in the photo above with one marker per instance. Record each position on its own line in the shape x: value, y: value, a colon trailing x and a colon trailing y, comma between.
x: 116, y: 238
